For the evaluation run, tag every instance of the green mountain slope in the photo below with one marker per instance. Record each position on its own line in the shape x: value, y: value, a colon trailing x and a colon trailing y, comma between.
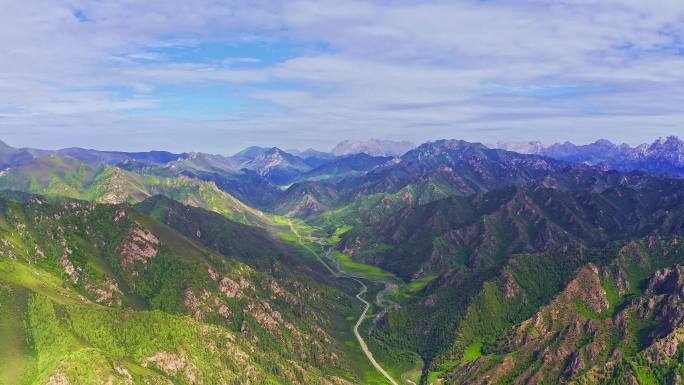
x: 479, y: 231
x: 97, y: 293
x: 227, y: 173
x: 469, y: 246
x: 619, y: 322
x: 67, y: 177
x: 306, y: 198
x: 262, y: 249
x: 212, y: 229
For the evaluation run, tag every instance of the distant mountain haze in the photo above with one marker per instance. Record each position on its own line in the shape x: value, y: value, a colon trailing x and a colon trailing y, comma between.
x: 374, y: 147
x: 664, y: 155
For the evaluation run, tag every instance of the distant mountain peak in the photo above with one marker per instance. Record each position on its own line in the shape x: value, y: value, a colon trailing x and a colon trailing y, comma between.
x: 375, y: 147
x: 671, y: 141
x: 249, y: 152
x: 664, y: 155
x: 310, y: 153
x: 604, y: 142
x: 276, y: 150
x: 529, y: 147
x: 437, y: 147
x: 4, y: 147
x: 456, y: 144
x: 276, y: 154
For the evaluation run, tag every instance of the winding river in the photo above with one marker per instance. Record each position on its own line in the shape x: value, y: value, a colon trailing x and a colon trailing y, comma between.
x: 339, y: 273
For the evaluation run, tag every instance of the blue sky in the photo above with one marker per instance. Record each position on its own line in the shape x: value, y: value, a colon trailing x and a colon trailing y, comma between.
x: 217, y: 76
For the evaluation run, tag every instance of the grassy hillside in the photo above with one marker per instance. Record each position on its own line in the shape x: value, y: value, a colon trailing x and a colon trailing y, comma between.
x: 102, y: 293
x: 67, y: 177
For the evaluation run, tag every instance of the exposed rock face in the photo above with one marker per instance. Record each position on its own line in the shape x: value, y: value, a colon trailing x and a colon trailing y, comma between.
x: 58, y: 378
x: 200, y: 305
x: 581, y: 337
x: 69, y: 269
x: 139, y: 246
x: 173, y: 364
x: 120, y: 214
x: 230, y: 288
x: 106, y: 292
x: 117, y: 191
x: 511, y: 288
x: 669, y: 281
x: 223, y: 310
x: 666, y: 289
x: 265, y: 316
x: 192, y: 303
x: 575, y: 366
x: 278, y: 292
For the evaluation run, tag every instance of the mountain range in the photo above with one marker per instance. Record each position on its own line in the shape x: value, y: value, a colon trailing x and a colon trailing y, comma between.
x: 375, y: 147
x: 94, y: 293
x: 665, y: 155
x: 377, y: 263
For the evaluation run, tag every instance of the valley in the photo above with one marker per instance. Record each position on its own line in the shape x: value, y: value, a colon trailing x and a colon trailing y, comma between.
x: 366, y: 192
x: 453, y: 263
x: 340, y: 273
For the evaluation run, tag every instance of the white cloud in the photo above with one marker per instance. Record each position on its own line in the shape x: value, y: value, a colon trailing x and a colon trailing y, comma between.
x: 401, y: 69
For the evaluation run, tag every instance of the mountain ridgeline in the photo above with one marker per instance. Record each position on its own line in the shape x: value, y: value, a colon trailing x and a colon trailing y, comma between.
x: 376, y: 263
x: 662, y: 156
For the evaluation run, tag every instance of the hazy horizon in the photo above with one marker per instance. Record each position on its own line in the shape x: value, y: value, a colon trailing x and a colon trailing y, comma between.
x: 291, y: 149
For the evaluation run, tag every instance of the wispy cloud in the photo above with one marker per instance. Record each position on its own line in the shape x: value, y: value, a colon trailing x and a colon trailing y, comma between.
x: 218, y: 75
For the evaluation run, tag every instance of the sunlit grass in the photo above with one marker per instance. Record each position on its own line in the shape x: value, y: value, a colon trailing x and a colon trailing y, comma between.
x: 363, y: 270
